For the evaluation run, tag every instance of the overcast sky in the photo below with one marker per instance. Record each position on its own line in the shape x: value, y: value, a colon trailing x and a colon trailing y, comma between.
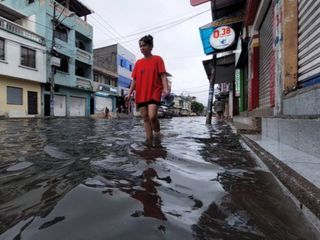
x: 176, y: 39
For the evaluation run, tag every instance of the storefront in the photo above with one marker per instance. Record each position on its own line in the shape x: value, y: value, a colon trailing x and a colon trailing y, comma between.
x: 68, y: 102
x: 308, y: 44
x: 104, y: 97
x: 266, y: 59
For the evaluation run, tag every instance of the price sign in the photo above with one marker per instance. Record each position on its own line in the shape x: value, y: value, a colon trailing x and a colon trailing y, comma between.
x: 222, y: 37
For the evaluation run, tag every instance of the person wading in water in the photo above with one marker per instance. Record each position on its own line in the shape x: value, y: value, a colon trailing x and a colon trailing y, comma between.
x: 150, y: 81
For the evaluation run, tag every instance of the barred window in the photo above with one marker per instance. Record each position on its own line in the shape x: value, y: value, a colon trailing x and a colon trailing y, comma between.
x: 2, y: 52
x: 14, y: 95
x: 28, y: 57
x: 61, y: 33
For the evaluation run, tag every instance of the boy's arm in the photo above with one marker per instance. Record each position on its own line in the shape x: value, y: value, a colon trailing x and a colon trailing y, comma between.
x: 165, y: 84
x: 132, y: 88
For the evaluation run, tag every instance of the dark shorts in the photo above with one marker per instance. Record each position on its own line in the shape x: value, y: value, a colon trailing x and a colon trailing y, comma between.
x: 145, y: 104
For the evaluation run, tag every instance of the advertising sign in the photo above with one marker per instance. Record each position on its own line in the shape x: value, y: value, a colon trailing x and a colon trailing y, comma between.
x: 237, y: 82
x: 222, y: 37
x: 219, y: 35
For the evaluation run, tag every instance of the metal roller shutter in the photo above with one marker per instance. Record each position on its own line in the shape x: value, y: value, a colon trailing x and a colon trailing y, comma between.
x: 101, y: 103
x: 77, y: 106
x: 265, y: 54
x: 60, y: 106
x: 308, y: 40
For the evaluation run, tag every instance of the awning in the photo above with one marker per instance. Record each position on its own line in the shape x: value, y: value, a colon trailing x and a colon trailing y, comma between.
x: 224, y: 71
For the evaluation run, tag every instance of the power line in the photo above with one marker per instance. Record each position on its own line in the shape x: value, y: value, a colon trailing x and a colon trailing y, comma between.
x: 160, y: 28
x: 163, y: 26
x: 116, y: 33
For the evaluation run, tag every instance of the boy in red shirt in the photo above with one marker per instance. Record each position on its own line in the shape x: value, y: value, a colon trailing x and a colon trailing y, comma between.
x: 149, y: 81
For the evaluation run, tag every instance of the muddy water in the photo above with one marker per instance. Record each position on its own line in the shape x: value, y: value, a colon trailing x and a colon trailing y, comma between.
x: 96, y: 179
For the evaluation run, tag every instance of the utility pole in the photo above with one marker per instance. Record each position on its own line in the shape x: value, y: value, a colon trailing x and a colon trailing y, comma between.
x: 55, y: 23
x: 211, y: 90
x: 212, y: 76
x: 51, y: 80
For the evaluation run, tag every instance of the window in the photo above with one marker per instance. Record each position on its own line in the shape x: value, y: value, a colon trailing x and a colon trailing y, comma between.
x: 80, y: 71
x: 14, y: 95
x: 2, y: 52
x: 95, y: 77
x: 64, y: 64
x: 81, y: 45
x: 30, y: 1
x: 28, y: 57
x: 61, y: 33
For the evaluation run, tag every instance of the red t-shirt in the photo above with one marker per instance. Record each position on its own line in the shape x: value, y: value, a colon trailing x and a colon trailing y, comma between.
x: 147, y: 73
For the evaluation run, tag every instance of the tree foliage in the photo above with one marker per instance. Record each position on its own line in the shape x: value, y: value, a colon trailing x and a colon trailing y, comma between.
x: 197, y: 107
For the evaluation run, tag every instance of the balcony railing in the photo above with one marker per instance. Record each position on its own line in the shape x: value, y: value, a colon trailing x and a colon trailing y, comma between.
x: 20, y: 31
x: 84, y: 83
x: 83, y: 56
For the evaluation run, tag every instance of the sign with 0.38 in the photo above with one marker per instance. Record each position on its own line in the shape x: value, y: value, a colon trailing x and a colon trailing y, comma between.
x: 222, y: 37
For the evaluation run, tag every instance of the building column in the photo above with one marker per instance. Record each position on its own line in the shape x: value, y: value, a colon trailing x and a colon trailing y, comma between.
x: 290, y: 44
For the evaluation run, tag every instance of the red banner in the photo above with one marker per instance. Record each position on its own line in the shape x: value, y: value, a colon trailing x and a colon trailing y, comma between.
x: 198, y: 2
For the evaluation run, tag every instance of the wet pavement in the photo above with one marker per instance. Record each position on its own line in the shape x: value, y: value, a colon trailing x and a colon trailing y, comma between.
x: 74, y: 179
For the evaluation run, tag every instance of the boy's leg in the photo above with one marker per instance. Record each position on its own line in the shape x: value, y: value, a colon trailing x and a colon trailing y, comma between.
x: 153, y: 117
x: 147, y: 123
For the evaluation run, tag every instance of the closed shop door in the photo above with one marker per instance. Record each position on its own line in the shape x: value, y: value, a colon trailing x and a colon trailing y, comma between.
x: 265, y: 54
x: 101, y: 103
x: 60, y: 106
x: 77, y: 107
x: 32, y: 102
x: 308, y: 40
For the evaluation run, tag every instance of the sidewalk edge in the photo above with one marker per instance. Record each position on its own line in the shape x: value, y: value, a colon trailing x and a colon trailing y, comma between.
x: 304, y: 191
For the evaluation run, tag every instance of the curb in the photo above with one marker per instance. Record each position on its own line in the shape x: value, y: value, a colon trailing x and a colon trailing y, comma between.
x: 305, y: 192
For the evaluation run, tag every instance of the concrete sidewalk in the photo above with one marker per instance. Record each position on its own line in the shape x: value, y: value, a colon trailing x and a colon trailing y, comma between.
x: 298, y: 171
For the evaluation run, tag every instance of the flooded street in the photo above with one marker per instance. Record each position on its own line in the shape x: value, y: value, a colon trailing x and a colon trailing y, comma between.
x: 74, y: 179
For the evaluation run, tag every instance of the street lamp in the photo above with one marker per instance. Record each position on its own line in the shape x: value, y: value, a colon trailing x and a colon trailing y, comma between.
x: 55, y: 24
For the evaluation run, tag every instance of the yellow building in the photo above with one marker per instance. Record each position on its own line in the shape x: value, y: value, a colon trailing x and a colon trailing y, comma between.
x: 22, y: 66
x: 19, y: 97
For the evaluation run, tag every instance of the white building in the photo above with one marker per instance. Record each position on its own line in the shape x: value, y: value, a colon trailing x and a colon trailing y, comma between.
x: 22, y: 66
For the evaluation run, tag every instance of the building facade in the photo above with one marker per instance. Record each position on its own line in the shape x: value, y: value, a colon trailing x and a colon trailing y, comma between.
x: 277, y: 71
x: 105, y: 86
x: 22, y: 68
x: 120, y: 62
x: 69, y: 46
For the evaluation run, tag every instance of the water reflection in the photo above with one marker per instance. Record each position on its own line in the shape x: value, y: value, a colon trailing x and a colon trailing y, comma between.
x: 92, y: 179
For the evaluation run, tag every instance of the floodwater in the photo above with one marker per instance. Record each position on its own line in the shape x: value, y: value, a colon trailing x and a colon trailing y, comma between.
x: 74, y: 179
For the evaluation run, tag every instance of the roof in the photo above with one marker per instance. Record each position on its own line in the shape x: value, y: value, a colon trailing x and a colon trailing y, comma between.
x: 105, y: 71
x: 77, y: 7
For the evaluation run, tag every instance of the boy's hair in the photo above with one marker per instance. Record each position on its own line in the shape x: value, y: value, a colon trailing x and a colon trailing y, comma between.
x: 148, y: 39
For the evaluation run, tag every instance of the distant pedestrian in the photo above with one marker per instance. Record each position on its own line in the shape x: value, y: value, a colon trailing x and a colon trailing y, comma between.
x: 218, y: 106
x: 106, y: 112
x: 149, y: 81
